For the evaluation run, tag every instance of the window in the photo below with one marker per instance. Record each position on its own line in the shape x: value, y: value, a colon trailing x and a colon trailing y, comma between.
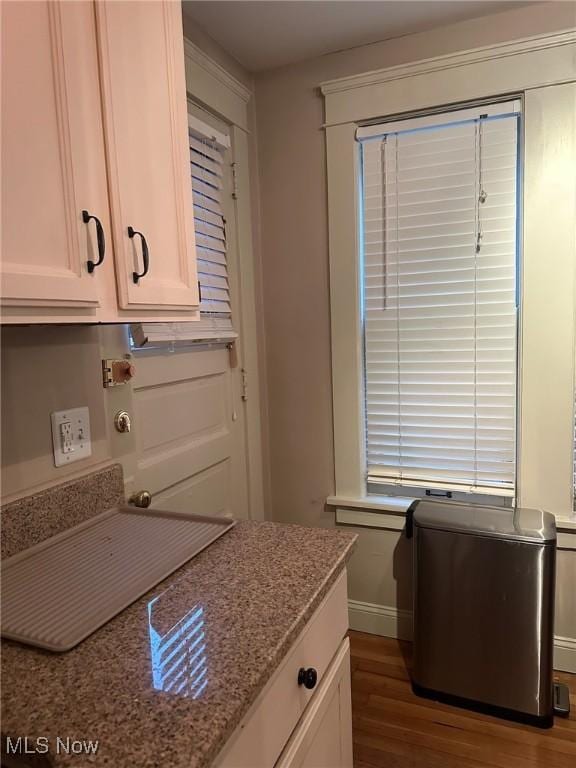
x: 439, y: 255
x: 208, y: 172
x: 543, y: 472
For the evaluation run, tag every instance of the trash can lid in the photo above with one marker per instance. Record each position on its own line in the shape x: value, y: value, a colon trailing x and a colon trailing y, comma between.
x: 530, y: 525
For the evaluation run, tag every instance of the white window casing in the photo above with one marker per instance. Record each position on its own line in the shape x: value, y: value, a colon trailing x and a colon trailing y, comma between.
x: 541, y: 72
x: 439, y: 265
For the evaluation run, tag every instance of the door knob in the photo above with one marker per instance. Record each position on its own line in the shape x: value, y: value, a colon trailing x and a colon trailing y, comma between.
x: 141, y: 499
x: 307, y: 677
x: 122, y: 421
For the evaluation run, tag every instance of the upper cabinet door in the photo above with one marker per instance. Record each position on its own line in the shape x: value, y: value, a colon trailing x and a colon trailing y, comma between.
x: 146, y: 128
x: 48, y: 121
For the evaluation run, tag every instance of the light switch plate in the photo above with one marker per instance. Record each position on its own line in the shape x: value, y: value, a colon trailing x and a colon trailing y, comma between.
x: 71, y: 435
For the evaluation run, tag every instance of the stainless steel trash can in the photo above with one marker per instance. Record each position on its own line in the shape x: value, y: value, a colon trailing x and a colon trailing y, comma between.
x: 484, y: 608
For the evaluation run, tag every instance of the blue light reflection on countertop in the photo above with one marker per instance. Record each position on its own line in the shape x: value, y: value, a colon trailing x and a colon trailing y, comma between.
x: 179, y: 662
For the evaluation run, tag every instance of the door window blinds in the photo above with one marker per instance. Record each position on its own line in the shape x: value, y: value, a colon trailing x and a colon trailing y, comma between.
x: 439, y: 264
x: 208, y: 171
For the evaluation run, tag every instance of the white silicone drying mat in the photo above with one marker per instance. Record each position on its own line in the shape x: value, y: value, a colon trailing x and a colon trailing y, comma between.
x: 58, y: 592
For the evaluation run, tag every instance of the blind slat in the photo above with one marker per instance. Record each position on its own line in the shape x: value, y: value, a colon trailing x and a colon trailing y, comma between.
x: 203, y: 214
x: 210, y: 230
x: 210, y: 243
x: 206, y: 203
x: 205, y: 148
x: 205, y: 176
x: 199, y: 158
x: 206, y: 190
x: 211, y: 256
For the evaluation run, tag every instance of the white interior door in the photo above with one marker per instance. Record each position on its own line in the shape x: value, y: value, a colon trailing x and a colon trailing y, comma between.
x: 189, y: 432
x: 189, y: 416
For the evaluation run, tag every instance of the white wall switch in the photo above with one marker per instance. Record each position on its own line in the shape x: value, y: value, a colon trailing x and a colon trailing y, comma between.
x: 71, y: 435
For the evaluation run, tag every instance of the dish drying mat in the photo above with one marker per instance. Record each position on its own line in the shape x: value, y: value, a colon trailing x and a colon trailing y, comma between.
x: 58, y: 592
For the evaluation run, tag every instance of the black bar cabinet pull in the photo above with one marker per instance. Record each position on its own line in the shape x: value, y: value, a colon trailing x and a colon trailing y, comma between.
x: 145, y: 254
x: 100, y: 239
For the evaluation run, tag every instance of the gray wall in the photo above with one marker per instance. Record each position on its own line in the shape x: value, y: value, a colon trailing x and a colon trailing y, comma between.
x: 47, y: 369
x: 51, y: 368
x: 294, y: 246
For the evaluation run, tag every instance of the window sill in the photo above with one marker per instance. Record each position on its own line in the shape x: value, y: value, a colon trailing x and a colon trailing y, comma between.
x: 398, y: 504
x: 389, y: 512
x: 566, y: 523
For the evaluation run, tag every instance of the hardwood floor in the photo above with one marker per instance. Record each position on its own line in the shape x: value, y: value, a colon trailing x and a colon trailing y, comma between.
x: 393, y: 728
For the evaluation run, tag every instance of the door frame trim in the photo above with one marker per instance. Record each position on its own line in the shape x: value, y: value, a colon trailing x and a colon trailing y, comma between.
x: 211, y: 85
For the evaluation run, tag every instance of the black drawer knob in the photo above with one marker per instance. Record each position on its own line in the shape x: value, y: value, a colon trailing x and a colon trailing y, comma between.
x: 307, y: 677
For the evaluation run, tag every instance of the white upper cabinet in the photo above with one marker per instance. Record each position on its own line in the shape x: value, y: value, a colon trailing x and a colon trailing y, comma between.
x: 94, y: 149
x: 50, y: 113
x: 144, y: 97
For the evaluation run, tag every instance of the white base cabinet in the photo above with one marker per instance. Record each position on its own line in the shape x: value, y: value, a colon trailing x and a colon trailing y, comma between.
x: 323, y: 738
x: 290, y: 726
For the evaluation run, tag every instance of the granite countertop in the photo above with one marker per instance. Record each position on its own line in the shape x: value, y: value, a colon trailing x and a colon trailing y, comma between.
x: 247, y: 597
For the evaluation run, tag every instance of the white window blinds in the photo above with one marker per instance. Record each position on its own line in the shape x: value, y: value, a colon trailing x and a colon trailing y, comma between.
x: 208, y: 171
x: 439, y: 263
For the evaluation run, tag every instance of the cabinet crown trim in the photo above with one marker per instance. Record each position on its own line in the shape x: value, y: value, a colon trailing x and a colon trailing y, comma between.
x: 196, y: 54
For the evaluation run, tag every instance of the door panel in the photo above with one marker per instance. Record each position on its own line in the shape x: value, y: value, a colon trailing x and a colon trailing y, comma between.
x: 208, y: 493
x: 49, y: 117
x: 142, y: 65
x: 189, y: 445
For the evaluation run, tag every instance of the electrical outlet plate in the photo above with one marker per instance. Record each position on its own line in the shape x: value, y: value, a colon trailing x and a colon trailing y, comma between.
x: 71, y: 436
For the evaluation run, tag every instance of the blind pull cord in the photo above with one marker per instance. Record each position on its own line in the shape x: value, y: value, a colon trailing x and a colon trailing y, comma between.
x: 384, y: 223
x: 398, y: 300
x: 481, y: 192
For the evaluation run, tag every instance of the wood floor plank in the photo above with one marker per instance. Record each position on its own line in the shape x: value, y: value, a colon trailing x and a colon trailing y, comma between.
x: 448, y: 744
x: 383, y: 668
x: 451, y: 718
x: 394, y: 728
x: 391, y: 753
x: 444, y: 737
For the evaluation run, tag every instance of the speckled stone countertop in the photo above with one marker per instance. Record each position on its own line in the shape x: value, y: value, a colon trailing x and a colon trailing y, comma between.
x: 252, y: 592
x: 34, y: 518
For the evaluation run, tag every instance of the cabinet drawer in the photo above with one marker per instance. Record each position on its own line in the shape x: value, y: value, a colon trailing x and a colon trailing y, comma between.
x: 323, y: 738
x: 260, y: 738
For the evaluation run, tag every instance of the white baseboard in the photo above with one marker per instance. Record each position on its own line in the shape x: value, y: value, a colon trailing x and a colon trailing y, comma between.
x: 388, y: 621
x: 565, y: 653
x: 380, y: 619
